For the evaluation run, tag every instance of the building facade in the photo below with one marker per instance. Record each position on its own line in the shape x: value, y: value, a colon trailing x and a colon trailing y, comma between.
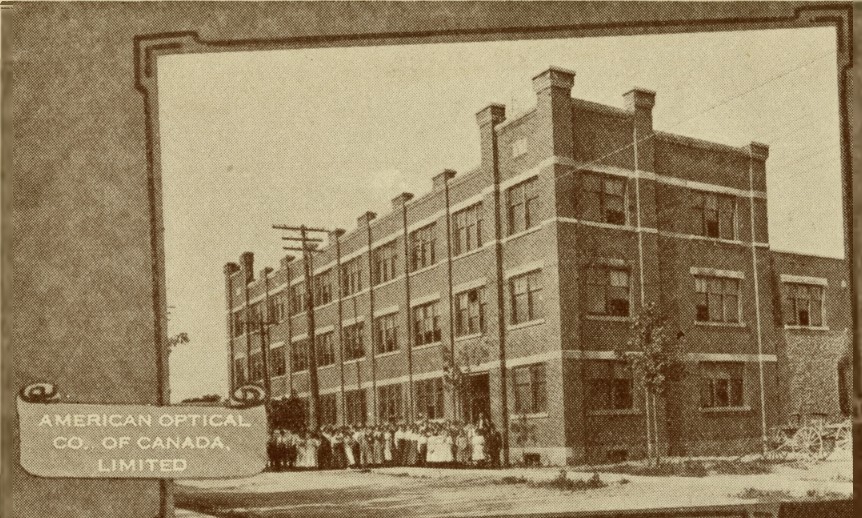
x: 527, y: 272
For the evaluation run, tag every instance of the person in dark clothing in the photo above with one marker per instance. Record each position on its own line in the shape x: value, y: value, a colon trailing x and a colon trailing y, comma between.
x: 495, y: 442
x: 272, y: 451
x: 324, y: 454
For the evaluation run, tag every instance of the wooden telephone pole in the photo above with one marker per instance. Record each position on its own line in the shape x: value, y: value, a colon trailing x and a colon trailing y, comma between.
x: 308, y: 246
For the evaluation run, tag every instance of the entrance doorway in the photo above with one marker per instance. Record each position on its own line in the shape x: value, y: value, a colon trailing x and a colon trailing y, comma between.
x: 478, y: 397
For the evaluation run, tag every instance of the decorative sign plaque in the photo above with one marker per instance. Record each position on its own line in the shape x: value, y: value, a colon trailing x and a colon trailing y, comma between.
x: 139, y: 441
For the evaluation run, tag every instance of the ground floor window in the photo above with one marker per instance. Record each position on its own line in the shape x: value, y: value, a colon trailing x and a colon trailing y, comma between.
x: 389, y: 403
x: 277, y: 364
x: 328, y: 409
x: 721, y: 384
x: 255, y: 367
x: 239, y: 371
x: 354, y: 404
x: 609, y: 387
x: 325, y: 349
x: 429, y: 398
x: 530, y: 389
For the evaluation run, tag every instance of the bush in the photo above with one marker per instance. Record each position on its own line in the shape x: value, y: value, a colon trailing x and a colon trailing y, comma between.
x: 513, y: 480
x: 564, y: 483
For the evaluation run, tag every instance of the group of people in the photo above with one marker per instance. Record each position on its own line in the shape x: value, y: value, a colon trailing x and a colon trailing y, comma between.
x: 424, y: 443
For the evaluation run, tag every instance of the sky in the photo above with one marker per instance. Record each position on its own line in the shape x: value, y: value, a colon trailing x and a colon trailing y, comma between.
x: 319, y: 136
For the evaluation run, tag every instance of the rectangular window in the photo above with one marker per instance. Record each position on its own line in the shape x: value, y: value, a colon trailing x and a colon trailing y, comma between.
x: 525, y: 294
x: 389, y: 403
x: 238, y: 323
x: 297, y: 298
x: 519, y: 147
x: 422, y: 249
x: 467, y: 229
x: 351, y: 276
x: 604, y: 199
x: 323, y: 288
x: 328, y: 407
x: 354, y: 402
x: 610, y: 387
x: 325, y: 349
x: 385, y: 260
x: 255, y: 317
x: 721, y: 384
x: 353, y: 345
x: 714, y: 215
x: 803, y: 305
x: 276, y: 309
x: 239, y: 371
x: 608, y: 291
x: 429, y: 398
x: 717, y: 299
x: 255, y: 367
x: 530, y: 389
x: 522, y: 203
x: 386, y: 333
x: 277, y: 365
x: 470, y: 312
x: 299, y: 356
x: 426, y: 324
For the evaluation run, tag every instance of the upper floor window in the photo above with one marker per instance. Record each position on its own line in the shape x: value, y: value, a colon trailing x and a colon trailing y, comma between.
x: 238, y: 323
x: 470, y: 312
x: 522, y: 202
x: 530, y: 389
x: 717, y: 299
x: 276, y: 308
x: 386, y: 333
x: 714, y: 215
x: 721, y: 384
x: 277, y: 363
x: 385, y: 259
x: 426, y: 324
x: 525, y: 292
x: 354, y: 347
x: 422, y: 247
x: 255, y: 317
x: 325, y: 349
x: 604, y: 199
x: 351, y: 276
x: 467, y: 229
x: 323, y: 288
x: 297, y: 298
x: 299, y: 356
x: 239, y: 371
x: 608, y: 291
x: 803, y: 305
x: 610, y: 387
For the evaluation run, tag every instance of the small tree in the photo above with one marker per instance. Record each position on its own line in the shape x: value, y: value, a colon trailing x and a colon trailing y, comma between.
x: 653, y: 355
x: 458, y: 367
x: 177, y: 339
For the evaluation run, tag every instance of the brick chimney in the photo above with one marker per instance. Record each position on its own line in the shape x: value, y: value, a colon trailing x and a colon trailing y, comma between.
x: 487, y: 118
x: 441, y: 179
x: 758, y: 150
x: 365, y: 219
x: 246, y: 261
x: 640, y: 102
x: 553, y: 89
x: 399, y: 201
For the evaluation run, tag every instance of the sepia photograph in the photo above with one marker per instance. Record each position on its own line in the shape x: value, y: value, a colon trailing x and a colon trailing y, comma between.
x: 598, y: 266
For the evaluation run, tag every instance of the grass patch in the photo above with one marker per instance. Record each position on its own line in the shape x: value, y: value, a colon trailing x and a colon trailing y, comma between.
x: 691, y: 468
x: 563, y: 483
x: 513, y: 480
x: 778, y: 495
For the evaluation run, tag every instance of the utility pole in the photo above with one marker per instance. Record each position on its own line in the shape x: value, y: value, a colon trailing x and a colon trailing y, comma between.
x: 308, y: 246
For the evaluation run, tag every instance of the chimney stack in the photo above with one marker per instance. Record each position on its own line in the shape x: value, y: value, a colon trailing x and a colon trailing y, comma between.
x: 246, y: 260
x: 553, y: 89
x: 487, y: 118
x: 365, y: 219
x: 441, y: 179
x: 399, y: 201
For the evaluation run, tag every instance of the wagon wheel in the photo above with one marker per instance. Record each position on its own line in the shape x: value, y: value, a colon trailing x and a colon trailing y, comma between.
x: 843, y: 437
x: 808, y: 441
x: 777, y: 445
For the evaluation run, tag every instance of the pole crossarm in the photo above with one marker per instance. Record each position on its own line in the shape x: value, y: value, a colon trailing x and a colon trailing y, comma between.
x: 300, y: 228
x: 309, y: 249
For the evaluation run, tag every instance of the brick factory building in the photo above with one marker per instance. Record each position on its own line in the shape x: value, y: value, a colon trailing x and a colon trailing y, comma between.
x: 536, y: 260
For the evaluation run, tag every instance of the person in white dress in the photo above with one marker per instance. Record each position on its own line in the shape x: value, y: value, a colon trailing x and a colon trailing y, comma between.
x: 348, y: 448
x: 478, y: 447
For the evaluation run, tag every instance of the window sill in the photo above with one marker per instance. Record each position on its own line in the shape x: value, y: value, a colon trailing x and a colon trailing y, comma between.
x: 425, y: 268
x: 521, y: 233
x: 328, y: 365
x: 355, y: 360
x: 806, y: 328
x: 725, y: 409
x: 529, y: 323
x: 387, y: 353
x: 303, y: 371
x: 720, y: 324
x: 615, y: 412
x: 538, y: 415
x: 468, y: 337
x: 298, y: 314
x: 322, y: 306
x: 427, y: 346
x: 609, y: 318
